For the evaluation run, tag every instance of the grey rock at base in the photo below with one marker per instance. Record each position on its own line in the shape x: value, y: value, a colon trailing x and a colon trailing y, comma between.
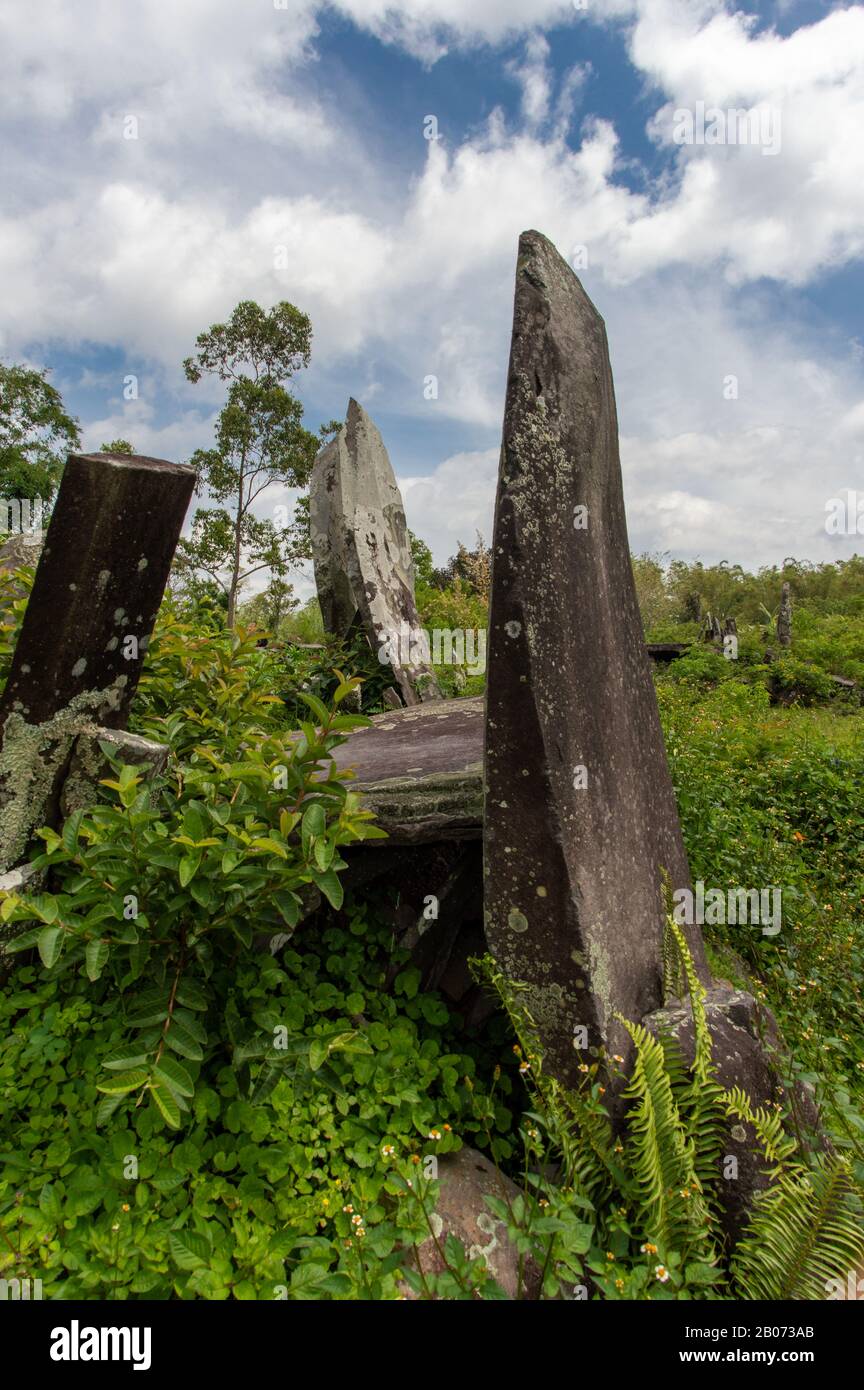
x: 364, y: 571
x: 573, y: 873
x: 88, y: 764
x: 747, y: 1052
x: 465, y: 1179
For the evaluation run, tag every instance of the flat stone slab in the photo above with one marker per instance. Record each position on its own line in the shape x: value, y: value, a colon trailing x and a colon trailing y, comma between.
x: 421, y: 770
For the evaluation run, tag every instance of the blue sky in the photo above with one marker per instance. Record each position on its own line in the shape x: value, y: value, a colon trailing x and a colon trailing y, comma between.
x: 302, y: 126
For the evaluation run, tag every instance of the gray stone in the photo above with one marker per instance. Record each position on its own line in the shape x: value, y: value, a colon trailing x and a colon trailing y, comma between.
x: 88, y: 764
x: 465, y: 1178
x: 94, y: 601
x: 581, y: 826
x: 784, y: 616
x: 747, y: 1052
x: 22, y: 549
x: 362, y: 555
x: 420, y: 771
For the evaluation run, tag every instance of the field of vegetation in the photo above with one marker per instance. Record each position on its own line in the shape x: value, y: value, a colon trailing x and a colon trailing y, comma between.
x: 184, y: 1114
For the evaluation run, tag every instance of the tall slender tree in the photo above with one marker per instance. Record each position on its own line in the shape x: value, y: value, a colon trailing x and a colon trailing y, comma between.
x: 260, y: 442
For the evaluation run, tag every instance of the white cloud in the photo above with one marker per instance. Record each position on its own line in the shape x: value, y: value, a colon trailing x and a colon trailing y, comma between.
x: 142, y: 243
x: 453, y: 503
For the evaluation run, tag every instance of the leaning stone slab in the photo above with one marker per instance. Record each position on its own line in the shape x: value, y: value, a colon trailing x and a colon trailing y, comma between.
x: 581, y: 823
x: 94, y: 601
x: 364, y: 571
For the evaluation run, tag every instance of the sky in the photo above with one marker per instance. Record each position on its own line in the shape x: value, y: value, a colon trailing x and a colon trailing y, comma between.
x: 164, y: 160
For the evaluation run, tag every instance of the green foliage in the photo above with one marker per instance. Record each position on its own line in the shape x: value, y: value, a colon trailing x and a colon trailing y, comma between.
x: 158, y: 888
x: 254, y: 1197
x: 15, y: 588
x: 654, y: 1192
x: 35, y: 434
x: 794, y: 682
x: 773, y: 797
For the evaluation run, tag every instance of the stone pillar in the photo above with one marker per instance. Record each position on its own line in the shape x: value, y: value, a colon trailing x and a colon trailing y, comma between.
x: 95, y: 597
x: 784, y: 616
x: 364, y: 571
x: 581, y: 824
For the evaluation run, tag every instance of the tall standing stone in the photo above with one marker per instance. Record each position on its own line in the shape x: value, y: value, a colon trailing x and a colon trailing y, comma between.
x: 581, y: 823
x: 364, y: 571
x: 784, y: 616
x: 94, y: 601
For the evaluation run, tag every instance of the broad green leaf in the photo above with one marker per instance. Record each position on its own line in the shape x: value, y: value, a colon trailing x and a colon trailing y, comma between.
x: 179, y: 1039
x: 71, y: 831
x: 124, y: 1082
x: 188, y: 868
x: 191, y: 995
x: 189, y: 1249
x: 175, y: 1075
x: 321, y: 712
x: 124, y: 1058
x: 95, y: 956
x: 50, y: 942
x: 49, y: 1202
x: 166, y: 1103
x: 331, y: 887
x: 314, y: 819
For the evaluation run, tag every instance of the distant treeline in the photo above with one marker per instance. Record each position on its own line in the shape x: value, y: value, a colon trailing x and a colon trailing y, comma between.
x: 675, y: 591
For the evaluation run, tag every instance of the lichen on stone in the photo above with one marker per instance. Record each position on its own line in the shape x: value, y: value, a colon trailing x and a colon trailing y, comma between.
x: 31, y: 758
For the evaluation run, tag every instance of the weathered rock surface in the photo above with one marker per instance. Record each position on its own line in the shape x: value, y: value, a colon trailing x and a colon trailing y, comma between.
x: 580, y: 815
x: 362, y: 555
x: 747, y: 1050
x: 784, y: 616
x: 95, y: 597
x: 420, y: 770
x: 21, y: 549
x: 88, y: 764
x: 465, y: 1179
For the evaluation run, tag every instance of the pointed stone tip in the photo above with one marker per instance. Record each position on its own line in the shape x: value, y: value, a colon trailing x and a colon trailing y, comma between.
x: 540, y: 263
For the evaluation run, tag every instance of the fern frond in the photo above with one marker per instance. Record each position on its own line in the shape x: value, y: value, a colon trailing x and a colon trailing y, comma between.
x: 671, y: 1205
x: 776, y: 1143
x: 805, y: 1230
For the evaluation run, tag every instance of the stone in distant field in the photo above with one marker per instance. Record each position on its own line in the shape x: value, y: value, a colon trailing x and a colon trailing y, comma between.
x: 580, y: 815
x: 364, y: 571
x: 784, y: 616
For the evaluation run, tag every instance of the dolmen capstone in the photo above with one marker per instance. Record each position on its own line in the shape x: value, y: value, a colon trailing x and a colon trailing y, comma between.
x: 364, y: 571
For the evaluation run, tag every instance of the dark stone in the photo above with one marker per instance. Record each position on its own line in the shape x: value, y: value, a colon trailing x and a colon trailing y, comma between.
x: 100, y: 580
x: 574, y: 874
x: 420, y: 770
